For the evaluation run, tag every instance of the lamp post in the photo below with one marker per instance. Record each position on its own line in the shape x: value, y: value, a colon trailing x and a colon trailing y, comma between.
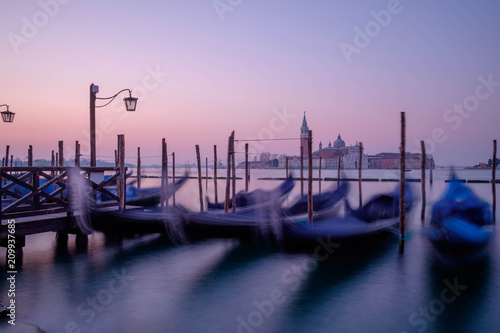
x: 130, y: 104
x: 7, y: 116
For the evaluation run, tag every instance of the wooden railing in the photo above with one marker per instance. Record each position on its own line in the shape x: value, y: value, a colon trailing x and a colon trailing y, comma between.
x: 28, y: 191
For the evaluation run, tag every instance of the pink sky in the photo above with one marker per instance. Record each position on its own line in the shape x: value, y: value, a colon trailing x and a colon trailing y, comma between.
x: 213, y: 76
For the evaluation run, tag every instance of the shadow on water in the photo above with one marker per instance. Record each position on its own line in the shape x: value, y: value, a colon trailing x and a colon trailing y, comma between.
x: 243, y: 256
x: 349, y: 261
x: 458, y: 296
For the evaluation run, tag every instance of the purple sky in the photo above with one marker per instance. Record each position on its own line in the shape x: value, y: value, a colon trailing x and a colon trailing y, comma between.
x: 204, y: 68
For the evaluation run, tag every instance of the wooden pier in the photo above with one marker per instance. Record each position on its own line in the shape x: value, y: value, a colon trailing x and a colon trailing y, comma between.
x: 39, y: 199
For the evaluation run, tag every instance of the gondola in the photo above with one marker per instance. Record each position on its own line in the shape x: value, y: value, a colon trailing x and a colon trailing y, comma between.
x: 376, y: 216
x: 253, y: 198
x: 147, y: 197
x: 263, y: 221
x: 461, y: 225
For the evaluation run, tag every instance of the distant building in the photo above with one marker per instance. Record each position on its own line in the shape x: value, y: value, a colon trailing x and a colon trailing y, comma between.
x: 392, y: 161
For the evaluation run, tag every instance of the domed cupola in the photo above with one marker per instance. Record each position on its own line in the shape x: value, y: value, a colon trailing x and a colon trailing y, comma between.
x: 339, y: 143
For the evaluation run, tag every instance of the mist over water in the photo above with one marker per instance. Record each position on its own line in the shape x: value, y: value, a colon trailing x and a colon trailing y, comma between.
x: 147, y: 285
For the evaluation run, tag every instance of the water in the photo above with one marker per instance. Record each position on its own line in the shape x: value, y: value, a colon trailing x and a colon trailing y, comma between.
x: 146, y: 285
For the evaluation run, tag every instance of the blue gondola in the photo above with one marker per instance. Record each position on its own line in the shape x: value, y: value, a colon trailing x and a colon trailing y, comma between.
x: 461, y: 225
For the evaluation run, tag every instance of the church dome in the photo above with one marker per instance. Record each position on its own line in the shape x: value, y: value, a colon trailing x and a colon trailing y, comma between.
x: 339, y: 143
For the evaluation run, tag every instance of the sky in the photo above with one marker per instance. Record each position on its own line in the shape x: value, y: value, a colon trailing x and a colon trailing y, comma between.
x: 203, y: 68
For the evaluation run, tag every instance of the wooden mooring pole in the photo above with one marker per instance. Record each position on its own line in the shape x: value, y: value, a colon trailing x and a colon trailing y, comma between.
x: 424, y: 162
x: 233, y: 171
x: 247, y: 175
x: 121, y: 166
x: 228, y: 174
x: 286, y: 166
x: 493, y: 179
x: 360, y: 167
x: 138, y: 167
x: 173, y: 178
x: 338, y: 173
x: 301, y: 170
x: 215, y: 174
x: 7, y: 155
x: 164, y: 180
x: 200, y: 187
x: 431, y: 166
x: 319, y: 171
x: 30, y: 155
x: 206, y: 174
x: 77, y: 154
x: 402, y: 166
x: 309, y: 179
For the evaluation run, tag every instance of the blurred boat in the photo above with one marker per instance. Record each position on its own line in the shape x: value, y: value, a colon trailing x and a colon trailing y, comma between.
x: 461, y: 225
x: 376, y: 216
x: 266, y: 220
x: 253, y: 198
x: 144, y: 197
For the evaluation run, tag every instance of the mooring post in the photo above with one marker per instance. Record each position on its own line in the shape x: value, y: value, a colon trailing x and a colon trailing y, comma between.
x: 424, y: 162
x: 30, y: 161
x: 167, y: 190
x: 233, y: 171
x: 200, y: 187
x: 247, y: 175
x: 319, y: 171
x: 121, y: 166
x: 30, y: 155
x: 360, y: 168
x: 286, y: 166
x: 77, y: 154
x: 116, y: 158
x: 11, y: 159
x: 6, y: 163
x: 301, y: 170
x: 164, y: 179
x: 431, y: 166
x: 338, y: 172
x: 206, y: 174
x: 61, y: 162
x: 138, y: 167
x: 215, y: 173
x: 228, y: 174
x: 309, y: 179
x: 173, y: 178
x: 402, y: 165
x: 7, y: 155
x: 53, y: 164
x: 493, y: 179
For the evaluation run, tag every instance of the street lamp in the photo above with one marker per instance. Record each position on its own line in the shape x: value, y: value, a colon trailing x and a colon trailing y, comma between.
x: 130, y: 104
x: 7, y: 116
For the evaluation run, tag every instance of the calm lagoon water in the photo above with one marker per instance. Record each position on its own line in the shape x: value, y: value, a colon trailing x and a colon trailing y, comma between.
x: 147, y: 285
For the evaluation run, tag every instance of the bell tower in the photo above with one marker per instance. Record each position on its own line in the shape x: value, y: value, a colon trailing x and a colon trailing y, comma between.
x: 304, y: 134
